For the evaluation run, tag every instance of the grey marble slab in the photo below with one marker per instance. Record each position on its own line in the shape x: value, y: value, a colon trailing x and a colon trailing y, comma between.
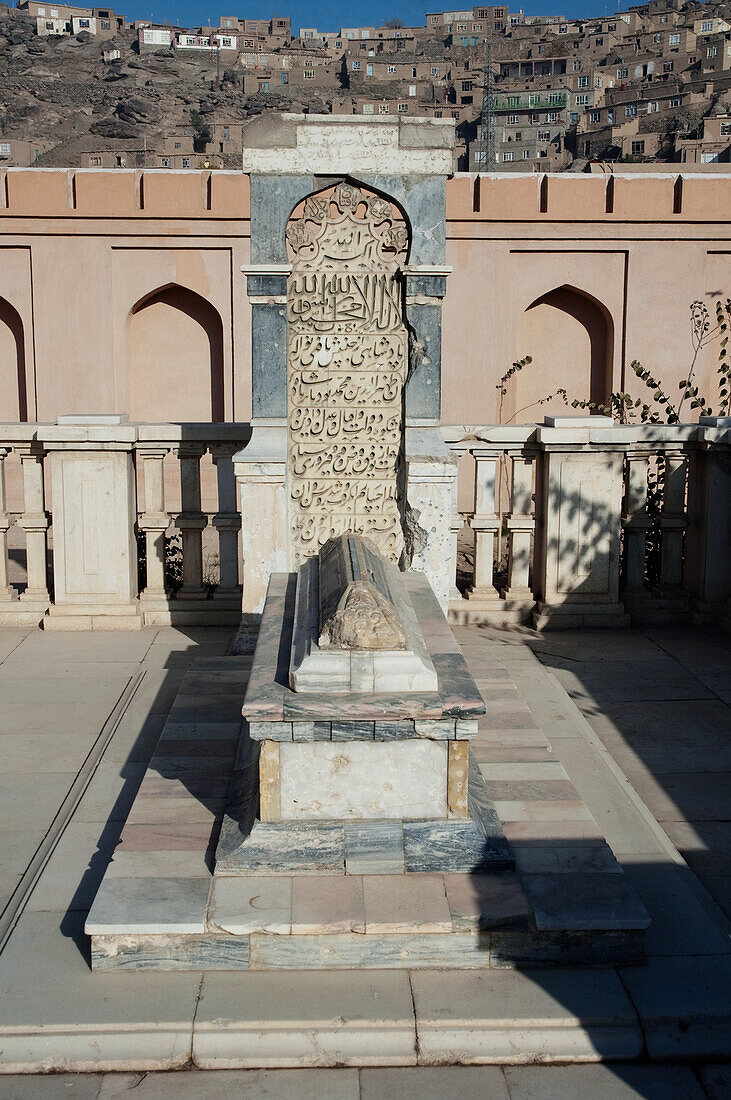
x: 584, y: 902
x: 352, y: 731
x: 374, y: 848
x: 456, y: 846
x: 268, y: 695
x: 394, y: 730
x: 271, y: 731
x: 286, y: 849
x: 206, y: 952
x: 378, y: 951
x: 599, y: 948
x: 149, y: 906
x: 441, y: 729
x: 310, y: 731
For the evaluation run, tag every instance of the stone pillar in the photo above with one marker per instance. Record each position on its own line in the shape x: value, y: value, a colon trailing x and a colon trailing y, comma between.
x: 227, y: 522
x: 485, y: 523
x: 431, y: 493
x: 635, y: 524
x: 34, y: 522
x: 8, y: 594
x: 673, y: 521
x: 260, y: 472
x: 708, y: 547
x: 578, y: 521
x: 94, y: 514
x: 521, y: 525
x: 154, y: 521
x: 191, y: 520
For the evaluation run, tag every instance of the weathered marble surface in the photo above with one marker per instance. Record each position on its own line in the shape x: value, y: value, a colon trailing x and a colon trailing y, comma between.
x: 363, y: 779
x: 347, y: 361
x: 342, y: 643
x: 269, y: 699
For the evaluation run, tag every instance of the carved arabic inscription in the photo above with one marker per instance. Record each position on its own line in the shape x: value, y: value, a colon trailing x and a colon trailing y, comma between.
x: 347, y: 363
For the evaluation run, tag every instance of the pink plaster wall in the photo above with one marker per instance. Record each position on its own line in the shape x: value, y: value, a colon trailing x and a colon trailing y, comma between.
x: 130, y: 296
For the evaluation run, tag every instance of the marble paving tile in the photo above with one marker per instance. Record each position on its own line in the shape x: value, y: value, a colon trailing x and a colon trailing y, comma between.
x: 516, y: 771
x: 486, y: 901
x: 511, y: 716
x: 525, y: 810
x: 158, y: 837
x: 688, y: 991
x: 507, y: 754
x: 540, y: 831
x: 332, y: 903
x: 374, y: 848
x: 565, y: 857
x: 603, y: 1082
x: 149, y: 906
x: 526, y: 790
x: 170, y: 811
x: 175, y: 864
x: 574, y: 900
x: 184, y: 783
x: 201, y: 731
x: 251, y: 904
x: 196, y: 748
x: 500, y: 735
x: 518, y: 1015
x: 428, y: 1082
x: 332, y: 1018
x: 406, y: 904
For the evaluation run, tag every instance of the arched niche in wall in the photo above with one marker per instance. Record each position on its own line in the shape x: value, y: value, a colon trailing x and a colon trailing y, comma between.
x: 175, y: 358
x: 570, y: 337
x: 13, y: 393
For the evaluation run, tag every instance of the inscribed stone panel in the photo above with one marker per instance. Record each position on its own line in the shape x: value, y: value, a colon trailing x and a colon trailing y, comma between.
x: 347, y: 364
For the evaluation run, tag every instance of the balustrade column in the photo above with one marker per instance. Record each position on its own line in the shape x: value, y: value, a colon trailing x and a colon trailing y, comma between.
x: 485, y: 524
x: 673, y: 521
x: 7, y: 592
x: 191, y: 521
x: 578, y: 522
x: 521, y: 524
x: 635, y: 524
x: 708, y: 543
x: 154, y: 521
x: 34, y: 522
x: 227, y: 522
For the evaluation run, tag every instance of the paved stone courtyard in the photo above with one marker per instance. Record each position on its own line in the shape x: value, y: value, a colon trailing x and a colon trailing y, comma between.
x: 639, y: 722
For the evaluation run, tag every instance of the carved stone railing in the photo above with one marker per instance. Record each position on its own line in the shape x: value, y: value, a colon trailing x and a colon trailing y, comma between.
x: 574, y: 522
x: 592, y: 523
x: 144, y: 525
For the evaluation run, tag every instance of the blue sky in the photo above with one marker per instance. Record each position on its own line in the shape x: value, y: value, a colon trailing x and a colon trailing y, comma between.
x: 328, y: 16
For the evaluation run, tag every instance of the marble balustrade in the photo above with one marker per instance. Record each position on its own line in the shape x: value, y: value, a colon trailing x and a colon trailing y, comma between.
x: 559, y: 522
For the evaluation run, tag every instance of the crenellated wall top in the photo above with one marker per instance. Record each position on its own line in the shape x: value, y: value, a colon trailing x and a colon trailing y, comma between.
x: 124, y: 194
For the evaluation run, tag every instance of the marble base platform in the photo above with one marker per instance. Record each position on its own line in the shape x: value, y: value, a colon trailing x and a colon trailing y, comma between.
x: 160, y: 907
x: 472, y: 845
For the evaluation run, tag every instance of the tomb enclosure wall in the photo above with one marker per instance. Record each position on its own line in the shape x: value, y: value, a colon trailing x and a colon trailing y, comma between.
x: 148, y: 293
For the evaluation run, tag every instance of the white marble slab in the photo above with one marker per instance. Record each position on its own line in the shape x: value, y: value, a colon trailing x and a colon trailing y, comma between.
x: 363, y: 779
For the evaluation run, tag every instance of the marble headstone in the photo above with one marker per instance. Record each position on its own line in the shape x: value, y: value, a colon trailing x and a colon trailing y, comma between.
x: 355, y: 629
